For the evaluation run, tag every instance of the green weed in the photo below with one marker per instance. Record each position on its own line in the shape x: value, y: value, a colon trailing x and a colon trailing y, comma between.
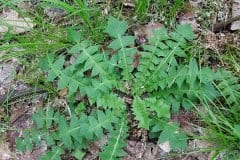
x: 165, y: 78
x: 142, y: 7
x: 92, y: 21
x: 167, y: 83
x: 165, y: 11
x: 221, y: 117
x: 231, y: 58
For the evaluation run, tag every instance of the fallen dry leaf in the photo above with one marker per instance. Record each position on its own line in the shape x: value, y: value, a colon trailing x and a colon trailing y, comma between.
x: 137, y: 150
x: 94, y: 148
x: 35, y: 154
x: 16, y: 113
x: 185, y: 119
x: 10, y: 21
x: 136, y: 60
x: 63, y: 92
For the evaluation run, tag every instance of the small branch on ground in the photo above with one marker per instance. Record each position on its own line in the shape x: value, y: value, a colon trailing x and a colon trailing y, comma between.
x: 15, y: 94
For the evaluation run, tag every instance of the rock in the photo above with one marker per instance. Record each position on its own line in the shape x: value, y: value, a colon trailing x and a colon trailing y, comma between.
x: 165, y: 146
x: 54, y: 13
x: 10, y: 21
x: 144, y: 32
x: 147, y: 30
x: 235, y: 12
x: 195, y: 3
x: 7, y: 73
x: 5, y: 152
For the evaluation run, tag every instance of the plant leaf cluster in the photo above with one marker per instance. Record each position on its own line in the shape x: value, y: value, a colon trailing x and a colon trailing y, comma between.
x: 167, y: 78
x: 74, y: 134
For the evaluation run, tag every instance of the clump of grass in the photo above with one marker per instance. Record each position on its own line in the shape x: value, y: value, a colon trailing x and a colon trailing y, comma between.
x: 43, y: 38
x: 210, y: 11
x: 142, y: 7
x: 232, y: 58
x: 47, y: 37
x: 166, y: 11
x: 222, y: 130
x: 222, y: 118
x: 83, y: 12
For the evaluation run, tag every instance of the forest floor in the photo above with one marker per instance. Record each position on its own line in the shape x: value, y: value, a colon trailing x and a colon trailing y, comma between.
x: 31, y: 29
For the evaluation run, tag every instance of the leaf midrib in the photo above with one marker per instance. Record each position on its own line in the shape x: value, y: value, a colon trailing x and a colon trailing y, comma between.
x: 161, y: 64
x: 59, y: 73
x: 117, y: 141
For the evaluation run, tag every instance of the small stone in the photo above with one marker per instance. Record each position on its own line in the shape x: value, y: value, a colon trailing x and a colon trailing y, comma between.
x: 53, y: 13
x: 165, y: 146
x: 10, y: 21
x: 7, y: 73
